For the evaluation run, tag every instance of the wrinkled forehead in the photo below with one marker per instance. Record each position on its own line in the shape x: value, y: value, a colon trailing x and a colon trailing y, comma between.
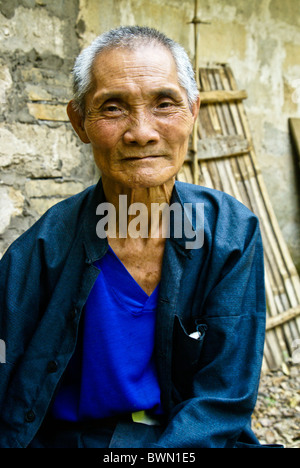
x: 138, y: 60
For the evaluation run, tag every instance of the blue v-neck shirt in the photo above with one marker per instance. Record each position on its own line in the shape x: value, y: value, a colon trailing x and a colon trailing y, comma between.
x: 117, y: 373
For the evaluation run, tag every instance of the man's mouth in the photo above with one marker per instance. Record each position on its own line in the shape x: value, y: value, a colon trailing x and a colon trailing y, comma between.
x: 142, y: 157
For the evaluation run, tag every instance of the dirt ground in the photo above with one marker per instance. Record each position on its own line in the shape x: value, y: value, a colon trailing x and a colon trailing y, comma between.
x: 276, y: 419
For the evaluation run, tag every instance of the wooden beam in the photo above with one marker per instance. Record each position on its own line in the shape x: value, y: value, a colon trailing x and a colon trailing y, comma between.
x: 282, y: 318
x: 220, y: 147
x: 221, y: 96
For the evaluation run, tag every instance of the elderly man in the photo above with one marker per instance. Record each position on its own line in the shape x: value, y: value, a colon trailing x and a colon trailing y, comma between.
x: 119, y: 337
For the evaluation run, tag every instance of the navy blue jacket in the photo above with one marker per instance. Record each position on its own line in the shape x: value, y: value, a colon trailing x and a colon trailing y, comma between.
x: 209, y: 386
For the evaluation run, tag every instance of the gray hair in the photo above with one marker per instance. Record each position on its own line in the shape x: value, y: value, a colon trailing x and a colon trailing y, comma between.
x: 130, y: 37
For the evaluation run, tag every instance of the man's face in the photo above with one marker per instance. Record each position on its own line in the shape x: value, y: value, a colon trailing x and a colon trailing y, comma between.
x: 138, y: 119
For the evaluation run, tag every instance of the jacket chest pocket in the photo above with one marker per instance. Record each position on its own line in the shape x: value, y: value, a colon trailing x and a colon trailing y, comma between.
x: 185, y: 357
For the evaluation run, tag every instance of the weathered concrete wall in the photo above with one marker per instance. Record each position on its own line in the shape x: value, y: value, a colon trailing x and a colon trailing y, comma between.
x: 41, y: 159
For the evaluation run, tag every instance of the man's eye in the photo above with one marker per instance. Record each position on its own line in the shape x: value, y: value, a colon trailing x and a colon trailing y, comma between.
x: 165, y: 104
x: 111, y: 108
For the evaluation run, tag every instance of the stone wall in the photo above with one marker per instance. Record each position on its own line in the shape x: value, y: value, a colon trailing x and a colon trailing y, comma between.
x: 41, y: 159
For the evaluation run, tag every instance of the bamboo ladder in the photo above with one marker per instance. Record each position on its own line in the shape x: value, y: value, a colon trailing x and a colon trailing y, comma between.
x: 222, y: 156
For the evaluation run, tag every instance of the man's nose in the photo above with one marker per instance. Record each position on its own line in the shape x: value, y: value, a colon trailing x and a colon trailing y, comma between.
x: 141, y: 131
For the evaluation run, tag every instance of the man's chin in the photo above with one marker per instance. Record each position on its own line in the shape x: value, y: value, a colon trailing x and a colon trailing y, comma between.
x: 150, y: 179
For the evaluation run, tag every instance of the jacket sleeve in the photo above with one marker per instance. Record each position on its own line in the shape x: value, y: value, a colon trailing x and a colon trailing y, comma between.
x: 28, y: 274
x: 225, y: 384
x: 20, y: 282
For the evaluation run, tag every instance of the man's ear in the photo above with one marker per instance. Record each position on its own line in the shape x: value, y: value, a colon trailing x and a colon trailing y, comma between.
x: 77, y: 122
x: 195, y: 108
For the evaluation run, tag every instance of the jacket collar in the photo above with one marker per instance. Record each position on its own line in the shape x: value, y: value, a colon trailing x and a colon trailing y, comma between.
x: 188, y: 219
x: 95, y: 247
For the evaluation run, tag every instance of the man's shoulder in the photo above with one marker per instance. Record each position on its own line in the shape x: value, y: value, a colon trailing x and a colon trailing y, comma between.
x: 66, y: 208
x: 66, y: 213
x: 215, y: 201
x: 227, y: 221
x: 60, y: 222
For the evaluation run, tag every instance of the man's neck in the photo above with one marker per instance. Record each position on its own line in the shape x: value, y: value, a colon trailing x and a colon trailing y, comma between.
x: 150, y: 199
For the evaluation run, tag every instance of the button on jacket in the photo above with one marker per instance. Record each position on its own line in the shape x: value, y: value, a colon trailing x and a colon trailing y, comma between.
x: 208, y: 385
